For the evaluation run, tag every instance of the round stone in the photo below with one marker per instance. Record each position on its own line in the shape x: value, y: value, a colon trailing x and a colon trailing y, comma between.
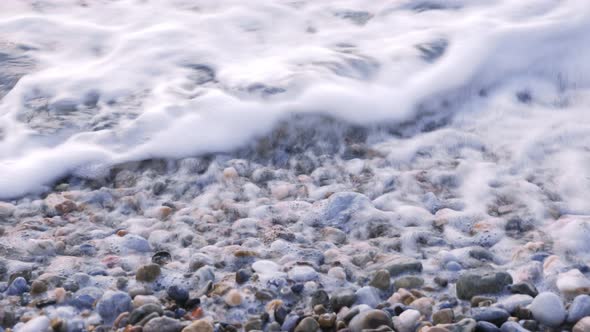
x: 407, y: 321
x: 148, y: 273
x: 177, y: 293
x: 370, y: 319
x: 307, y: 324
x: 381, y: 280
x: 38, y: 287
x: 233, y: 298
x: 548, y: 309
x: 112, y: 304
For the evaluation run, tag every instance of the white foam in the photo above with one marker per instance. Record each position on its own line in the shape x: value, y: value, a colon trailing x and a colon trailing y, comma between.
x: 354, y: 59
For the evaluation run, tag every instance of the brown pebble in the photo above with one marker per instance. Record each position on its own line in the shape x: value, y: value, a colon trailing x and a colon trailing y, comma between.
x: 38, y: 287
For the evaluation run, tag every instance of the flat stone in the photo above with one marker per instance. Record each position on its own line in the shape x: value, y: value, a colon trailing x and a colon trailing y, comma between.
x: 163, y: 324
x: 492, y: 315
x: 512, y: 302
x: 408, y: 282
x: 477, y: 283
x: 400, y: 265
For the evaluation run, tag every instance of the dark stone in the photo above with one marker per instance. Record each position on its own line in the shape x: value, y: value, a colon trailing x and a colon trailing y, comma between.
x: 342, y: 298
x: 370, y: 319
x: 140, y: 313
x: 161, y: 258
x: 524, y: 288
x: 320, y: 297
x: 476, y: 283
x: 492, y: 315
x: 178, y: 294
x: 243, y: 275
x: 486, y: 327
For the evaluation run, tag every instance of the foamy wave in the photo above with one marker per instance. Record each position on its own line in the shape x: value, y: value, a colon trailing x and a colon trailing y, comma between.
x: 98, y: 83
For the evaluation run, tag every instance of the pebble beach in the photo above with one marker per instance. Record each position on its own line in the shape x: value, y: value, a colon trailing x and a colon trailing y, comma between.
x: 165, y: 189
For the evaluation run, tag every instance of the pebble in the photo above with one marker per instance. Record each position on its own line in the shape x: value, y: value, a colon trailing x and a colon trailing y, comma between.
x: 199, y: 326
x: 424, y: 305
x: 512, y: 302
x: 444, y: 316
x: 233, y: 298
x: 178, y: 294
x: 327, y: 320
x: 17, y: 287
x: 573, y: 283
x: 243, y: 275
x: 583, y: 325
x: 368, y: 295
x: 163, y: 324
x: 320, y: 297
x: 140, y: 300
x: 303, y: 273
x: 381, y: 280
x: 400, y: 265
x: 37, y: 324
x: 148, y: 273
x: 370, y: 319
x: 342, y: 298
x: 136, y: 242
x: 512, y: 327
x: 579, y: 308
x: 492, y: 315
x: 524, y: 288
x: 145, y: 310
x: 307, y: 324
x: 483, y: 326
x: 548, y: 309
x: 112, y: 304
x: 406, y: 322
x: 408, y: 282
x: 476, y: 283
x: 253, y: 324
